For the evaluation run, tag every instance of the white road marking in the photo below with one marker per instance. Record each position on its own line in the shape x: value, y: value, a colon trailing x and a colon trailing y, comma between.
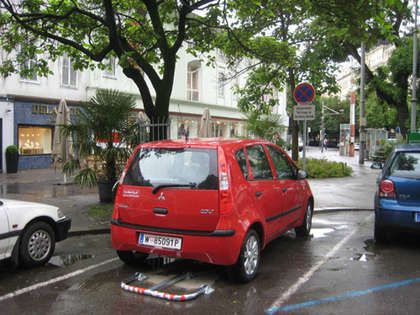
x: 54, y: 280
x: 308, y: 275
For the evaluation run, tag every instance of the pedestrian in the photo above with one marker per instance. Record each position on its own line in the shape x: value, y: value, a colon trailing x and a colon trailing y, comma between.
x: 324, y: 144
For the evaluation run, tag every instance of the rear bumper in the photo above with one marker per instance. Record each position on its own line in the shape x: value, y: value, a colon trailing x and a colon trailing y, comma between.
x: 62, y: 229
x: 220, y: 247
x: 391, y: 214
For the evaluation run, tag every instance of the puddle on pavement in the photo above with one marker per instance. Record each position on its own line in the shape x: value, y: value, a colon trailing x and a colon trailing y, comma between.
x: 363, y: 256
x: 67, y: 260
x: 320, y: 232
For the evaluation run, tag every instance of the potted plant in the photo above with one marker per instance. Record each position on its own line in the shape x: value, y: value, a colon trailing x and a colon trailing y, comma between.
x: 102, y: 133
x: 12, y: 158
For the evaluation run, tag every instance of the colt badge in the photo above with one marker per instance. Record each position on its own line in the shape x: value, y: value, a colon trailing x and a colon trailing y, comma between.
x: 161, y: 196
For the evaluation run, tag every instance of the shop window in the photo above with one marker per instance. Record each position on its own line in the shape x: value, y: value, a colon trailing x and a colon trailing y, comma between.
x: 193, y: 81
x: 68, y: 74
x: 35, y: 140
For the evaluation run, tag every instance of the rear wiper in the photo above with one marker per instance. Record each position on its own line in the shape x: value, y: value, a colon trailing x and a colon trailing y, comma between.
x: 156, y: 188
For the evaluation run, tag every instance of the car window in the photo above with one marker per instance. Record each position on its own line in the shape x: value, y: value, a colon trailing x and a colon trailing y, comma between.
x: 241, y: 159
x: 406, y: 164
x: 283, y: 168
x: 259, y: 163
x: 157, y: 166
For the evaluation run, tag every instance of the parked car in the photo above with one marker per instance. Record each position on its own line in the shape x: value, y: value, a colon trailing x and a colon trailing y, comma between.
x: 29, y: 231
x: 216, y: 201
x: 397, y: 201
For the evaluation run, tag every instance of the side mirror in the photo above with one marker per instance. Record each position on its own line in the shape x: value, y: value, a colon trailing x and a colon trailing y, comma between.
x: 302, y: 174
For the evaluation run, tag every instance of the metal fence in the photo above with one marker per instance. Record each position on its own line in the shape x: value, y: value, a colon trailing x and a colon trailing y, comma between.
x: 153, y: 130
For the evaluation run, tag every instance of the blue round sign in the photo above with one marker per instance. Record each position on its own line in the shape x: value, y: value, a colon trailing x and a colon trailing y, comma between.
x: 304, y: 93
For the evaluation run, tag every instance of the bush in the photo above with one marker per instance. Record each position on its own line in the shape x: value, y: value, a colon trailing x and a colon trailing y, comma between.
x: 321, y: 168
x: 12, y: 149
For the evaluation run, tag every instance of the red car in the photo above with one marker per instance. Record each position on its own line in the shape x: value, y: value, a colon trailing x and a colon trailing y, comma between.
x: 213, y: 200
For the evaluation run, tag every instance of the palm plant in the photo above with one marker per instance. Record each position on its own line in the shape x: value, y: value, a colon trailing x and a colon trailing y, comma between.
x: 102, y: 136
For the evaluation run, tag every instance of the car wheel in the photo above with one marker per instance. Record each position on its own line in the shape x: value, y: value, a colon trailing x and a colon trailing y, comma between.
x: 37, y: 244
x: 305, y: 228
x: 380, y: 234
x: 249, y: 258
x: 132, y: 258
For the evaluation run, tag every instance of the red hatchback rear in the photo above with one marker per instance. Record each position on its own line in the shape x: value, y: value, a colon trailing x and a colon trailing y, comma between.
x: 216, y: 201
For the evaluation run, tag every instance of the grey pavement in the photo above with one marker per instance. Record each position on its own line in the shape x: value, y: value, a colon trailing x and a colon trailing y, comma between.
x: 46, y: 185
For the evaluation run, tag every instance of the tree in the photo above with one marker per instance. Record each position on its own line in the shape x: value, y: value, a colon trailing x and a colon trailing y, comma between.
x: 145, y: 35
x: 102, y: 133
x: 278, y: 36
x: 346, y: 24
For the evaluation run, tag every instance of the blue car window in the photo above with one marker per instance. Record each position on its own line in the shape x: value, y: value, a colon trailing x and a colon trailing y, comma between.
x: 406, y: 164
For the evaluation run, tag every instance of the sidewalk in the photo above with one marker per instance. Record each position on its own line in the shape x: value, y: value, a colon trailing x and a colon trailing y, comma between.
x: 354, y: 192
x: 46, y: 185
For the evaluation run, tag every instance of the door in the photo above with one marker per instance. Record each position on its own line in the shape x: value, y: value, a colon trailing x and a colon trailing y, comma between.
x: 261, y: 182
x: 286, y: 186
x: 171, y: 188
x: 4, y: 232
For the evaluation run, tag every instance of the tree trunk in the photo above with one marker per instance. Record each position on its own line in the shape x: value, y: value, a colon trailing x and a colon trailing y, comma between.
x: 403, y: 115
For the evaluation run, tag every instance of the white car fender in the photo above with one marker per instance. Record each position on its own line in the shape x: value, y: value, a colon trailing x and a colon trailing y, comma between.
x: 20, y: 213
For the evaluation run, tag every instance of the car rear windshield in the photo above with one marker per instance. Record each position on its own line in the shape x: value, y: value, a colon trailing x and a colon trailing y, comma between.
x: 406, y: 164
x: 168, y: 166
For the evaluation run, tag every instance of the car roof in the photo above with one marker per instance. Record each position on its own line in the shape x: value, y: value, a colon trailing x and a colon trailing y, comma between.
x: 203, y: 142
x: 407, y: 147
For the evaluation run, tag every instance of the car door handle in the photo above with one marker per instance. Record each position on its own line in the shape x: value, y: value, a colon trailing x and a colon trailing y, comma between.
x: 258, y: 194
x: 160, y: 211
x: 284, y: 189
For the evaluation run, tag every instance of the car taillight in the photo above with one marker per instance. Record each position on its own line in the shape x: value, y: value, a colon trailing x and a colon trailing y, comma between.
x: 387, y: 189
x: 226, y: 203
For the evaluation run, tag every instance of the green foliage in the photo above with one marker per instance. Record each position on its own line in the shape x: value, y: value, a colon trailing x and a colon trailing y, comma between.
x: 107, y: 114
x: 386, y: 147
x: 12, y: 149
x: 321, y: 168
x: 101, y: 211
x: 266, y: 127
x: 144, y: 36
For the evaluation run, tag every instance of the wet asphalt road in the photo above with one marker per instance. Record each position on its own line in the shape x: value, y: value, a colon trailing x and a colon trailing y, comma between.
x: 339, y: 270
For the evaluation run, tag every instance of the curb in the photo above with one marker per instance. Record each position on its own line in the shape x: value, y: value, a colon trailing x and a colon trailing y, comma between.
x: 89, y: 232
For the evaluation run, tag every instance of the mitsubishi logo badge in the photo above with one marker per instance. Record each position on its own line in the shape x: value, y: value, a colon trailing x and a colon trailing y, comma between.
x: 161, y: 196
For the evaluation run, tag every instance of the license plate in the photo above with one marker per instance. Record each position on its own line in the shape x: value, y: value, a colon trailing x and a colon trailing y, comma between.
x: 160, y: 241
x: 417, y: 217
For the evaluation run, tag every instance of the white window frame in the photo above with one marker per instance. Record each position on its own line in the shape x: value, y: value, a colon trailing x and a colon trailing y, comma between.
x: 110, y: 71
x: 221, y: 82
x: 29, y: 64
x: 193, y: 73
x: 67, y: 62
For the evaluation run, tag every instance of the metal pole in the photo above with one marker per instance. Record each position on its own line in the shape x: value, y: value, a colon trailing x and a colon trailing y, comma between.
x: 322, y: 135
x: 362, y: 107
x: 304, y: 146
x: 413, y: 93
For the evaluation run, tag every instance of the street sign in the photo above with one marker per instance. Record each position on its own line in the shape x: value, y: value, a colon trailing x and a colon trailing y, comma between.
x: 304, y: 93
x: 304, y: 112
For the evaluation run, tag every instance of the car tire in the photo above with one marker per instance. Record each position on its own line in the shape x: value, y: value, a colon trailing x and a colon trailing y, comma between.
x: 305, y: 228
x: 380, y: 235
x: 37, y: 244
x: 132, y: 258
x: 248, y: 262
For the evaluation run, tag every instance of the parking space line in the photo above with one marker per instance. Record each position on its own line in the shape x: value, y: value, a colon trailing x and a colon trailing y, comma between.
x: 54, y: 280
x: 347, y: 295
x: 275, y: 307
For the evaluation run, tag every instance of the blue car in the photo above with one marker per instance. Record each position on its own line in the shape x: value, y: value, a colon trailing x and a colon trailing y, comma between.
x: 397, y: 200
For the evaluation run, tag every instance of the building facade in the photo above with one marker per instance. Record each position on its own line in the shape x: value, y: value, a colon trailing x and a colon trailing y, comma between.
x: 28, y: 105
